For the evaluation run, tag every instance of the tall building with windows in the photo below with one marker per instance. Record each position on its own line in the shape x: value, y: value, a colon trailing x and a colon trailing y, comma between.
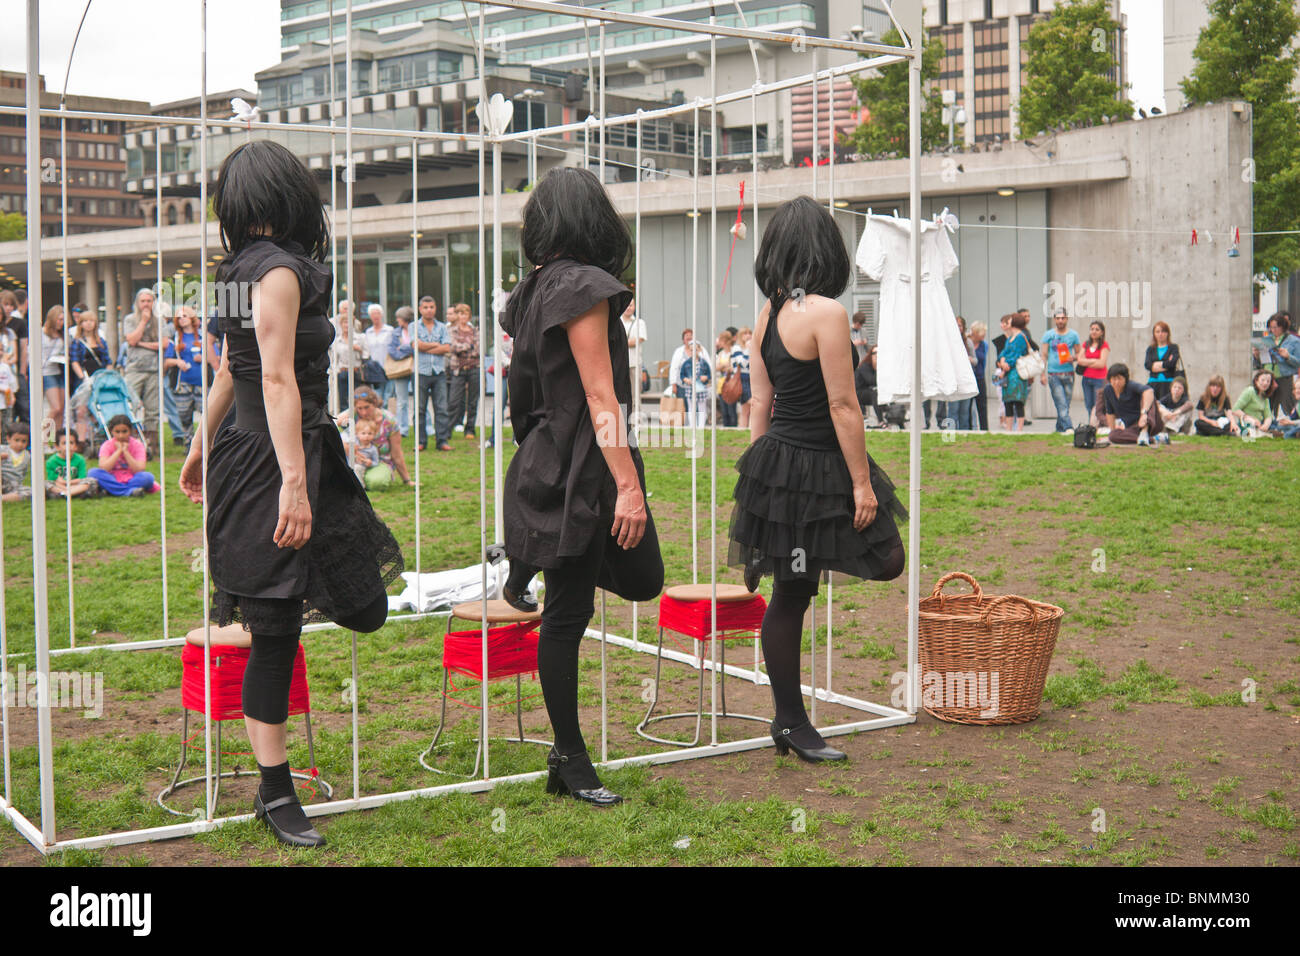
x: 985, y: 56
x: 655, y: 63
x: 97, y: 198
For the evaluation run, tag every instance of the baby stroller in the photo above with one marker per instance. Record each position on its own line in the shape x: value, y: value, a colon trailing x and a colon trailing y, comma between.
x: 106, y: 394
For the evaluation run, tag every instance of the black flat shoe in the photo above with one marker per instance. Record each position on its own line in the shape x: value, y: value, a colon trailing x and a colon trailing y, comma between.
x: 262, y: 811
x: 513, y: 591
x: 784, y: 744
x: 572, y: 766
x: 753, y: 575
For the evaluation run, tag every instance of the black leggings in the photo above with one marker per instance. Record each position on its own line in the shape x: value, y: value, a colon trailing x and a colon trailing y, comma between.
x: 635, y: 575
x: 270, y: 664
x: 1014, y: 409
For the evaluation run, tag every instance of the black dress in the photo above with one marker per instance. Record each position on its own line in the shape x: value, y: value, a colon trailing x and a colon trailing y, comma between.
x: 558, y: 490
x: 351, y: 556
x: 793, y: 514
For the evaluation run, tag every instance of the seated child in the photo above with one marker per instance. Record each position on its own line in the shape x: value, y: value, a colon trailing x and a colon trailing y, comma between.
x: 366, y: 453
x: 16, y: 463
x: 121, y: 462
x: 65, y: 470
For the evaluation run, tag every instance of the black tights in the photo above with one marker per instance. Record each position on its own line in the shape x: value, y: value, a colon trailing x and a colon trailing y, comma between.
x: 782, y: 637
x: 635, y: 575
x: 270, y: 664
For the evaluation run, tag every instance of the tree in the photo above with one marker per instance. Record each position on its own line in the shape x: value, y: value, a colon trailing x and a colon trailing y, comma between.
x: 885, y: 97
x: 13, y: 225
x: 1071, y: 57
x: 1245, y: 53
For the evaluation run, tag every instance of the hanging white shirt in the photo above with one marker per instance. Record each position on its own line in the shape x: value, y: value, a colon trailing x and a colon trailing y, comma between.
x: 884, y: 254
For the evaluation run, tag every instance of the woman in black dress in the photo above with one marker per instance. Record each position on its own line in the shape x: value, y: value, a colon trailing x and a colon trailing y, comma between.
x: 809, y: 498
x: 575, y: 502
x: 291, y: 535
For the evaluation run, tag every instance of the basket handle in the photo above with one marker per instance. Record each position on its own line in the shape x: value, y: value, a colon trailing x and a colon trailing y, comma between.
x: 958, y: 575
x: 1007, y: 598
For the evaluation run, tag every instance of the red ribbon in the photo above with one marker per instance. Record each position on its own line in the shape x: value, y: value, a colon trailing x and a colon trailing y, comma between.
x: 739, y: 213
x: 1193, y: 237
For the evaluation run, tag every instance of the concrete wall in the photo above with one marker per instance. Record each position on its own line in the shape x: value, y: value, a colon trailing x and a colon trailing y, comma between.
x: 1186, y: 170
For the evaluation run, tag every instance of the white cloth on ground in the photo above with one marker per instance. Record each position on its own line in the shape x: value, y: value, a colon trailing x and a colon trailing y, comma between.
x: 884, y: 254
x: 431, y: 590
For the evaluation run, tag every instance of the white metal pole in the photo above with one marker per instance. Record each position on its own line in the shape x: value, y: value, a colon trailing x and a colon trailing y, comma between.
x: 713, y: 338
x: 67, y: 358
x: 356, y: 691
x: 4, y: 660
x: 816, y: 144
x: 914, y: 444
x: 753, y: 148
x: 689, y: 392
x: 36, y: 403
x: 600, y: 33
x: 498, y: 300
x: 158, y: 323
x: 482, y: 454
x: 413, y: 407
x: 209, y: 788
x: 812, y: 663
x: 604, y: 687
x: 636, y: 319
x: 349, y: 175
x: 830, y: 135
x: 334, y: 232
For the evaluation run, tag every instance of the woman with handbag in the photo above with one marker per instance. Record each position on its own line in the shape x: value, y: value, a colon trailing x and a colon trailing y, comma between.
x: 400, y: 365
x: 291, y: 534
x: 1015, y: 386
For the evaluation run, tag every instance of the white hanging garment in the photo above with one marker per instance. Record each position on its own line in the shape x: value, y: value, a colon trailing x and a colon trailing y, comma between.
x: 884, y: 255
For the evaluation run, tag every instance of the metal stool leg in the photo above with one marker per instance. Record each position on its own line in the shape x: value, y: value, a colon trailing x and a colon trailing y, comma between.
x: 442, y: 721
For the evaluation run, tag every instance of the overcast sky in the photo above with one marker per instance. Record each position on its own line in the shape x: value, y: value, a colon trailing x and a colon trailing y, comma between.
x: 149, y: 49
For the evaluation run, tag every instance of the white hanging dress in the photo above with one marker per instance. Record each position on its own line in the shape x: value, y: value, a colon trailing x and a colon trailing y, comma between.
x: 884, y: 255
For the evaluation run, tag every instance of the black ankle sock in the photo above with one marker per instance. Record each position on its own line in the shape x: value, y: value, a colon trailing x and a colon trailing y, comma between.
x: 277, y: 783
x: 782, y: 635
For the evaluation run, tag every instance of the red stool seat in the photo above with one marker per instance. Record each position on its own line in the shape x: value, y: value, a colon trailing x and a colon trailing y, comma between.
x: 689, y: 609
x: 228, y: 665
x: 738, y: 610
x: 512, y: 649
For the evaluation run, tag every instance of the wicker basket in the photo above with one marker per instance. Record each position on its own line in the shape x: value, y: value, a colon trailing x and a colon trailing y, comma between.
x: 984, y: 659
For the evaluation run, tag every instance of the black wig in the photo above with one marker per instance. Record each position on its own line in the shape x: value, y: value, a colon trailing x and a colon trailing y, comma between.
x: 802, y: 253
x: 263, y: 185
x: 569, y: 216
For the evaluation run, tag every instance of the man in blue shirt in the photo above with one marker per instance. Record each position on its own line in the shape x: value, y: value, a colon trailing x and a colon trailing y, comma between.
x: 433, y: 342
x: 1060, y: 351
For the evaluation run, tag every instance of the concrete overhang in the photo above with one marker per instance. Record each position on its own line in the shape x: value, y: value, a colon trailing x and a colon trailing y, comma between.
x: 1016, y: 166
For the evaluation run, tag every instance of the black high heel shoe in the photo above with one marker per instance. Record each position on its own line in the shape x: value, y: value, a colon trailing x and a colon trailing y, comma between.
x: 781, y: 736
x: 308, y: 838
x: 514, y: 591
x: 572, y: 766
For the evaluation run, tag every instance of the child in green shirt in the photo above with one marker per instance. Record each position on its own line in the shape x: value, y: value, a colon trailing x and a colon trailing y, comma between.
x: 65, y: 472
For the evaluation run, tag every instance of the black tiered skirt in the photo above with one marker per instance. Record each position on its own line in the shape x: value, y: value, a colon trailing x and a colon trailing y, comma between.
x: 348, y: 563
x: 793, y: 514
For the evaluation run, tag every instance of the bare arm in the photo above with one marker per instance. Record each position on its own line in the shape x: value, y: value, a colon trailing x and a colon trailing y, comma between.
x: 275, y: 320
x: 831, y: 331
x: 760, y: 386
x: 589, y: 340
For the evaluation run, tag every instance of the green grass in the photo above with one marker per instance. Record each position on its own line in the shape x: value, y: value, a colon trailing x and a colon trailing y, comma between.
x: 905, y: 803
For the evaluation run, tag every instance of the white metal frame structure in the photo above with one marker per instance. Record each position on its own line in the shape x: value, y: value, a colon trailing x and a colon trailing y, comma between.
x: 492, y: 133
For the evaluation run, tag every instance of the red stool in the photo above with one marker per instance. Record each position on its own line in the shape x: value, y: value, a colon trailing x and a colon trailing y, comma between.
x: 512, y: 652
x: 229, y: 655
x: 687, y: 609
